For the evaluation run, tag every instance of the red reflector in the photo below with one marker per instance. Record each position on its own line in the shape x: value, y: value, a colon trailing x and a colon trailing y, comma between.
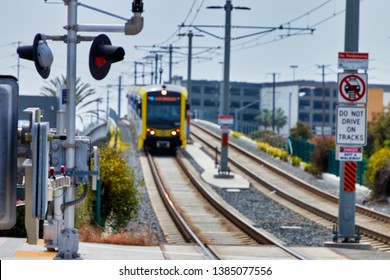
x: 100, y: 61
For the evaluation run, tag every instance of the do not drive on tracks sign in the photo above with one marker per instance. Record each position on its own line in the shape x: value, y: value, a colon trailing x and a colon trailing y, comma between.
x: 352, y: 88
x: 351, y: 126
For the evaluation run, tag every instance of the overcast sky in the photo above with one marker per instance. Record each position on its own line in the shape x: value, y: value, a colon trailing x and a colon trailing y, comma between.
x: 253, y: 59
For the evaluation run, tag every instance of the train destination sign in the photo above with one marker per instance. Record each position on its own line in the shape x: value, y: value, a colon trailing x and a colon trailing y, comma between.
x: 351, y: 126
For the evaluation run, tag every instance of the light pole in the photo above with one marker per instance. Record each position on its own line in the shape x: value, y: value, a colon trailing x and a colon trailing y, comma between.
x: 293, y: 67
x: 323, y: 98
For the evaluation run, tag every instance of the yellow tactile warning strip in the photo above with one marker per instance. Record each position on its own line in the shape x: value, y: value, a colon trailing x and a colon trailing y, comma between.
x: 33, y: 253
x: 38, y: 255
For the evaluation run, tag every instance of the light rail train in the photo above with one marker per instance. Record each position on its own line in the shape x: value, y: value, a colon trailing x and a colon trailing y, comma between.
x: 158, y: 113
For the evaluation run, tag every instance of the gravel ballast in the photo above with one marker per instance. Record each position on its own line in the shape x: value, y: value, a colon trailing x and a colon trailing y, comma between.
x: 288, y: 226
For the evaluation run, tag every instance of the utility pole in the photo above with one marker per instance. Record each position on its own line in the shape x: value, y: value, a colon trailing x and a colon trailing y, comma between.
x: 323, y: 99
x: 170, y: 62
x: 224, y: 170
x: 189, y: 64
x: 189, y: 82
x: 225, y: 93
x: 190, y: 36
x: 136, y: 63
x: 156, y: 68
x: 119, y: 97
x: 273, y: 101
x: 226, y: 100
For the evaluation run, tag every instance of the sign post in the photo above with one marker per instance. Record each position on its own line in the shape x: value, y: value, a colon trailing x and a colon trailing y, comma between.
x: 351, y: 121
x: 225, y: 121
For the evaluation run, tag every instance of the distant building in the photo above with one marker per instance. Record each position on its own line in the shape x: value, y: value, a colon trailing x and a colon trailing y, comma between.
x: 48, y: 105
x: 306, y: 101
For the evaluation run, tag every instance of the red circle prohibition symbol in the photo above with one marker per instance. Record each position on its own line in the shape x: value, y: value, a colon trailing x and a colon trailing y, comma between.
x: 352, y: 91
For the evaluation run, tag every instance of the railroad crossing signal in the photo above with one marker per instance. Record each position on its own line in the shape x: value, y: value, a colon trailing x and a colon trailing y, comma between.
x: 101, y: 55
x: 40, y: 53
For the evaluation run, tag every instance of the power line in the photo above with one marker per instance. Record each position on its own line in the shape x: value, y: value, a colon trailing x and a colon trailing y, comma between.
x: 177, y: 31
x: 244, y: 46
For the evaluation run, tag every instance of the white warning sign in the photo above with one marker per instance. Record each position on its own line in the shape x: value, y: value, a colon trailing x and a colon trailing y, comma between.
x: 351, y: 126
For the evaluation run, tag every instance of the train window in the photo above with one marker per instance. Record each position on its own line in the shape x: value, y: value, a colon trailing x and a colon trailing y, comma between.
x: 163, y: 110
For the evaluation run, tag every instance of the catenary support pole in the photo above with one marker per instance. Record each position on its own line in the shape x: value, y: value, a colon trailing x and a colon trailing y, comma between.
x: 226, y: 82
x: 347, y: 199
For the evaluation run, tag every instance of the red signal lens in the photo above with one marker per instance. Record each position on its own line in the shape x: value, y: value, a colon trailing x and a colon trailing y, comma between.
x: 62, y: 169
x: 52, y: 171
x: 100, y: 61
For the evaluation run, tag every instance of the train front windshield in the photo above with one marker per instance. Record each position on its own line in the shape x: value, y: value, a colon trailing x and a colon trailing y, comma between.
x: 163, y: 111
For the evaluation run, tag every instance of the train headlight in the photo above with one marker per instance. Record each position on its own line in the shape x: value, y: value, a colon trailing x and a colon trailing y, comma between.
x: 175, y: 132
x: 150, y: 131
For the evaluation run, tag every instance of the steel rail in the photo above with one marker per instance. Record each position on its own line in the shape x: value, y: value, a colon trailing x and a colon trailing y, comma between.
x: 246, y: 227
x: 360, y: 209
x: 188, y: 234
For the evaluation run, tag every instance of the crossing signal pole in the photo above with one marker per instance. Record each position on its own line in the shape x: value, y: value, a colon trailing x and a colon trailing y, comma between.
x: 102, y: 55
x: 68, y: 245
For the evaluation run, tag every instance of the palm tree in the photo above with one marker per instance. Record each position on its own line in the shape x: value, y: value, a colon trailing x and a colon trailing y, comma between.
x: 84, y: 94
x: 264, y: 118
x: 280, y: 119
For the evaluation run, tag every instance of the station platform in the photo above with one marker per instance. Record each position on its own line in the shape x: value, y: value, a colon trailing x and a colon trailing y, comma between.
x: 210, y: 173
x: 18, y: 249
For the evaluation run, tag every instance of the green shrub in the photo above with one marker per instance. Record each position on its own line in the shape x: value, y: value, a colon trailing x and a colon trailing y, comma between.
x: 119, y: 198
x: 301, y: 131
x: 378, y: 173
x: 296, y: 161
x: 310, y: 168
x: 319, y: 157
x: 236, y: 134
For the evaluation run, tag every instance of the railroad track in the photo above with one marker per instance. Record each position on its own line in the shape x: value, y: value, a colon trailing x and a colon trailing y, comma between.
x: 304, y: 198
x: 201, y: 217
